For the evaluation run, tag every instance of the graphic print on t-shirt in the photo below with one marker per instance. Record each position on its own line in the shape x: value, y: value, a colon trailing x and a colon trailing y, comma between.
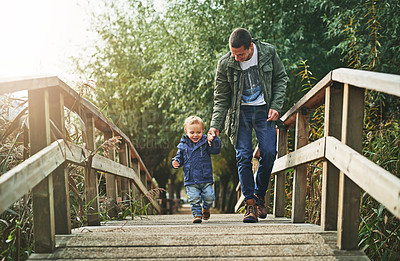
x: 252, y: 86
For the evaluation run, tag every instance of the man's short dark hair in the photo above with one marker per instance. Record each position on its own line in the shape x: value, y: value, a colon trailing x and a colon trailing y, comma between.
x: 240, y: 37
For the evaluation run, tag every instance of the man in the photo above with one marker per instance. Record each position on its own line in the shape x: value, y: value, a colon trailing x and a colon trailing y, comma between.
x: 250, y: 86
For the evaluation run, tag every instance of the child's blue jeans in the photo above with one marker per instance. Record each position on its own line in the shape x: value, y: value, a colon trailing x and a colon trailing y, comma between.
x: 200, y: 194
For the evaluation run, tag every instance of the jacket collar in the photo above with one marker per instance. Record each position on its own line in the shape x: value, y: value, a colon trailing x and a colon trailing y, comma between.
x: 263, y: 56
x: 185, y: 139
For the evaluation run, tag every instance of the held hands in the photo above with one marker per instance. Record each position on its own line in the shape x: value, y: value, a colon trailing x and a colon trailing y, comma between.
x: 175, y: 164
x: 212, y: 132
x: 272, y: 115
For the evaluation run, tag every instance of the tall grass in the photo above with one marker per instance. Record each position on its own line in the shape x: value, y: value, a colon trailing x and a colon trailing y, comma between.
x: 16, y: 241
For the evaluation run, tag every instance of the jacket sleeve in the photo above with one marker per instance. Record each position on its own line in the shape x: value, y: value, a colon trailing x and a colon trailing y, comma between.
x: 279, y: 81
x: 179, y: 158
x: 222, y: 96
x: 215, y: 147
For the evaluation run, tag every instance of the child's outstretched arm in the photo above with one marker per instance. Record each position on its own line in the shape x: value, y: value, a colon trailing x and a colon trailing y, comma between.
x: 177, y: 161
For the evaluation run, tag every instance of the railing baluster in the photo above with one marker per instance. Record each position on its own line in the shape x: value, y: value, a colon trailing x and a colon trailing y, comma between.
x: 123, y: 159
x: 111, y: 184
x: 330, y: 176
x: 280, y: 178
x: 300, y: 172
x: 144, y: 181
x: 349, y: 192
x: 136, y: 168
x: 60, y: 175
x: 42, y: 194
x: 91, y: 179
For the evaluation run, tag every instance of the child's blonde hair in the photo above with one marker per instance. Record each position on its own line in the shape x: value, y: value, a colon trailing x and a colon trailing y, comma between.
x: 193, y: 120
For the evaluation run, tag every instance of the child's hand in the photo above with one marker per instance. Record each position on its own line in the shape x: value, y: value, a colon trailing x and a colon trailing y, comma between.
x: 212, y: 132
x: 175, y: 164
x: 210, y: 138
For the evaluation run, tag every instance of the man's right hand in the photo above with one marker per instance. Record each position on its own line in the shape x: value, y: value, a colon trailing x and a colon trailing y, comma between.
x: 212, y: 132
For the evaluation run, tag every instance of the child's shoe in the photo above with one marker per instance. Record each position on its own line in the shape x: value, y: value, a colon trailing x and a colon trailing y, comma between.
x: 206, y: 214
x: 197, y: 219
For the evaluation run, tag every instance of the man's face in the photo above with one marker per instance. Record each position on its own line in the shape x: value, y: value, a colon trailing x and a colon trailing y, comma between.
x: 240, y: 54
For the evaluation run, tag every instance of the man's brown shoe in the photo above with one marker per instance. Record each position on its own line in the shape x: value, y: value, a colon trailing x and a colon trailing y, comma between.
x: 251, y: 212
x: 261, y: 209
x: 206, y: 214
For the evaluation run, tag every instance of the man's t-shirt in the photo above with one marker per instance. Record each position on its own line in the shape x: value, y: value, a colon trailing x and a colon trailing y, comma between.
x: 252, y: 91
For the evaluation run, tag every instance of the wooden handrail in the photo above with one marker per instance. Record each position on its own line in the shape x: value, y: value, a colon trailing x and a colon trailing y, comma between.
x: 74, y: 102
x: 24, y: 177
x: 342, y: 92
x: 44, y: 173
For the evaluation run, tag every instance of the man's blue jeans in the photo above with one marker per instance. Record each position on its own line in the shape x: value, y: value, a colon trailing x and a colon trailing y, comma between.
x: 200, y: 193
x: 255, y: 117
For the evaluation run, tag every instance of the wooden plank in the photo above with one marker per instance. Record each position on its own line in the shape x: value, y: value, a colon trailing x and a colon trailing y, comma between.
x: 381, y: 82
x: 280, y: 177
x: 18, y: 181
x: 310, y: 152
x: 312, y: 100
x: 171, y: 237
x: 42, y: 193
x: 60, y: 175
x: 349, y: 192
x: 79, y: 156
x: 111, y: 183
x: 376, y: 181
x: 22, y: 83
x: 300, y: 172
x: 330, y: 174
x: 91, y: 178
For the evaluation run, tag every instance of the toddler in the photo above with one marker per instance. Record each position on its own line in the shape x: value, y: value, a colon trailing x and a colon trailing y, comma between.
x: 194, y: 155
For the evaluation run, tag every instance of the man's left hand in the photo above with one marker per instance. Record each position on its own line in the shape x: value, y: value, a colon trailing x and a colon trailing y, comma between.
x: 273, y: 115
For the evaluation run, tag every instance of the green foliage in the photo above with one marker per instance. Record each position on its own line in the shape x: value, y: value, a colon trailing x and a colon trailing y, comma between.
x: 152, y: 70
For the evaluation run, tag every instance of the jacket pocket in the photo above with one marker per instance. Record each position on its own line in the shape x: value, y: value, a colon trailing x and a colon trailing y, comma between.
x: 266, y: 76
x: 186, y: 174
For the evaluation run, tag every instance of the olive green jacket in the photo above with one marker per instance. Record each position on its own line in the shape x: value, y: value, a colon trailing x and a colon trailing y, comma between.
x: 229, y: 87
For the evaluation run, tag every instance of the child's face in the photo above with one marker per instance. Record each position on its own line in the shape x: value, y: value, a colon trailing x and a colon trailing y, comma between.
x: 194, y: 132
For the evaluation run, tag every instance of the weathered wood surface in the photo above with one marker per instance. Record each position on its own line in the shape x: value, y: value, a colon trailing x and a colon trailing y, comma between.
x: 73, y: 101
x: 224, y: 236
x: 24, y: 177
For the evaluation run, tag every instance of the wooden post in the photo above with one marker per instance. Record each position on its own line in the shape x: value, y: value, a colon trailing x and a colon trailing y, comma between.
x: 280, y: 178
x: 123, y: 159
x: 42, y: 194
x: 300, y: 172
x: 60, y: 175
x: 349, y: 192
x: 91, y: 179
x: 150, y: 208
x: 144, y: 199
x: 111, y: 184
x: 330, y: 176
x: 136, y: 168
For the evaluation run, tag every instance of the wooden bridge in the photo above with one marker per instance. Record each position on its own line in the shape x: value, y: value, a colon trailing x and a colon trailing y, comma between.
x: 345, y: 173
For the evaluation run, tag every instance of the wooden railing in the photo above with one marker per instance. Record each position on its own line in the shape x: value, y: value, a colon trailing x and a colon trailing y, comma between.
x: 345, y: 170
x: 44, y: 173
